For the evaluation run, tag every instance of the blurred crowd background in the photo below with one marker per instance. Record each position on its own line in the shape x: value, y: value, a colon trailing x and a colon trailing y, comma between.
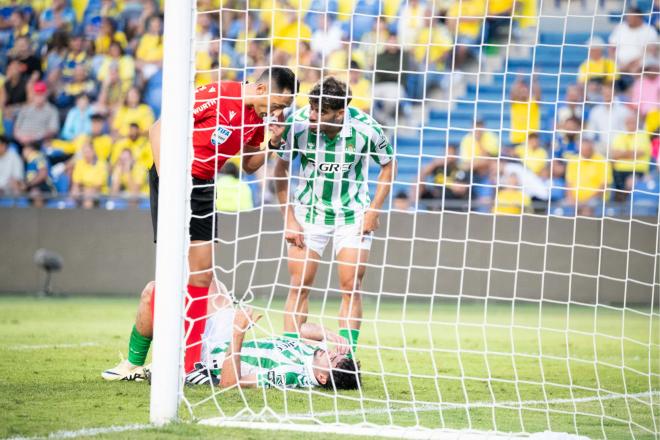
x: 501, y: 106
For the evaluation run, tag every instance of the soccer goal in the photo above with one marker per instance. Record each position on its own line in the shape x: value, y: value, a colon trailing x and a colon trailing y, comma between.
x: 512, y: 286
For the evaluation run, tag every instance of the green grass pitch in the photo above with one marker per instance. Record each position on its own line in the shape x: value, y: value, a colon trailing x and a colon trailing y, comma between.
x: 52, y: 353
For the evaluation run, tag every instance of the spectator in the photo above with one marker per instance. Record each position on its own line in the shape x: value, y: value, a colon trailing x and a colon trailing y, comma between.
x: 391, y: 64
x: 29, y: 63
x: 233, y: 195
x: 78, y: 119
x: 646, y: 192
x: 479, y: 149
x: 58, y: 16
x: 37, y: 182
x: 80, y: 84
x: 132, y: 112
x: 587, y: 177
x: 401, y: 201
x: 289, y: 32
x: 90, y: 177
x: 573, y: 107
x: 149, y: 53
x: 525, y: 115
x: 533, y: 155
x: 555, y: 180
x: 567, y: 139
x: 15, y: 89
x: 38, y: 121
x: 308, y: 78
x: 75, y: 57
x: 411, y: 22
x: 327, y: 36
x: 631, y: 154
x: 20, y: 23
x: 499, y: 20
x: 645, y: 91
x: 112, y: 92
x: 129, y: 178
x: 465, y: 20
x: 109, y: 34
x: 433, y: 45
x: 98, y: 138
x: 11, y: 169
x: 597, y: 67
x: 58, y: 47
x: 450, y: 182
x: 137, y: 143
x: 652, y: 127
x: 606, y: 120
x: 511, y: 199
x: 124, y: 65
x: 632, y: 40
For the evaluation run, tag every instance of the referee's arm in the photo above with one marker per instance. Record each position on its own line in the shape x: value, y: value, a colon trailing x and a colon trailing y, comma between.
x: 154, y: 139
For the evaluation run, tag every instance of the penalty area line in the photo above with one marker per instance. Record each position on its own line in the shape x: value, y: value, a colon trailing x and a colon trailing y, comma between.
x: 86, y: 432
x: 48, y: 346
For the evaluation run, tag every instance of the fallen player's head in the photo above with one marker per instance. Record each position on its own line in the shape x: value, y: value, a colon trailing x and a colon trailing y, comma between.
x: 328, y: 100
x: 336, y: 371
x: 273, y: 91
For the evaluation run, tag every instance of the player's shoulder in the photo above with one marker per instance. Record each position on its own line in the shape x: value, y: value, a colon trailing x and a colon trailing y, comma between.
x: 364, y: 122
x: 299, y: 120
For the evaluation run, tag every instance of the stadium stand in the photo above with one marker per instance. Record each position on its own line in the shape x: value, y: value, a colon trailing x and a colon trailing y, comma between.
x: 448, y: 72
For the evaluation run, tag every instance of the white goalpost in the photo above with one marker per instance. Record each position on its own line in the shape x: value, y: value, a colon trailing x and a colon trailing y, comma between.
x: 173, y: 239
x: 512, y: 289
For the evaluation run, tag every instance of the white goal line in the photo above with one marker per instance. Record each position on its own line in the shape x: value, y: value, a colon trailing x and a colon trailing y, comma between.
x: 441, y: 406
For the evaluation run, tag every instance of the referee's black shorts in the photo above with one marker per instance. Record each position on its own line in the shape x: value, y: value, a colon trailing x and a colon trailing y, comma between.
x: 201, y: 204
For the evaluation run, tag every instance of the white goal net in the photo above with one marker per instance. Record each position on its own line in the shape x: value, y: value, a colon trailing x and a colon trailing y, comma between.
x: 512, y: 285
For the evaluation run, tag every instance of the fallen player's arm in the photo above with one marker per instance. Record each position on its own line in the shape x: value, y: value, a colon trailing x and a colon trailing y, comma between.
x: 317, y: 333
x: 231, y: 367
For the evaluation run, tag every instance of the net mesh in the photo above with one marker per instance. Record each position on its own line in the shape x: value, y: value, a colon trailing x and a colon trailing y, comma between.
x: 512, y: 285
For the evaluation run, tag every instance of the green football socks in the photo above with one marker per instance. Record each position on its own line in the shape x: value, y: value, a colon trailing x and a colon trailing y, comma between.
x: 138, y: 348
x: 352, y: 336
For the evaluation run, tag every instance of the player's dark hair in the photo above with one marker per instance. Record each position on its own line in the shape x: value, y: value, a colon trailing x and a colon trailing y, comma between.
x: 4, y: 140
x: 345, y: 376
x: 281, y: 79
x: 331, y: 93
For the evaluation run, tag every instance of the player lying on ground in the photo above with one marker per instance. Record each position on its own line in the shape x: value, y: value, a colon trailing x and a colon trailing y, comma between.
x: 231, y: 360
x: 218, y: 334
x: 228, y: 120
x: 334, y: 143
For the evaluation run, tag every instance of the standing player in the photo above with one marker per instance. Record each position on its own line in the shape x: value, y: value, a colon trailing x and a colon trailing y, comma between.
x: 228, y: 120
x: 334, y: 143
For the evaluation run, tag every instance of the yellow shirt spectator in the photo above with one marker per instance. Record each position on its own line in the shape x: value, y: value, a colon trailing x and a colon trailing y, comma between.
x: 632, y: 143
x: 142, y: 115
x: 150, y: 48
x: 233, y: 195
x: 140, y: 147
x: 472, y: 148
x: 362, y: 95
x: 534, y: 159
x: 102, y: 42
x: 587, y: 178
x: 652, y: 122
x: 91, y: 175
x: 469, y: 14
x: 203, y: 65
x: 511, y: 201
x: 525, y: 117
x: 287, y: 36
x: 434, y: 42
x: 136, y: 177
x: 125, y: 66
x: 500, y: 7
x: 102, y: 145
x: 596, y: 69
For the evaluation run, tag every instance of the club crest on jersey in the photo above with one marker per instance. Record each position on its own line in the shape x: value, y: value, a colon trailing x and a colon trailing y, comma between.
x: 350, y: 146
x: 220, y: 136
x: 329, y: 167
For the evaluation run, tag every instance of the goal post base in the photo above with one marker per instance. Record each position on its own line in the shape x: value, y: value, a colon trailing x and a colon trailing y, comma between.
x: 387, y: 431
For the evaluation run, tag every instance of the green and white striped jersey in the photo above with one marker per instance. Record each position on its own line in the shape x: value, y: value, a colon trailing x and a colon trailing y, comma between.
x: 277, y: 362
x: 333, y: 177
